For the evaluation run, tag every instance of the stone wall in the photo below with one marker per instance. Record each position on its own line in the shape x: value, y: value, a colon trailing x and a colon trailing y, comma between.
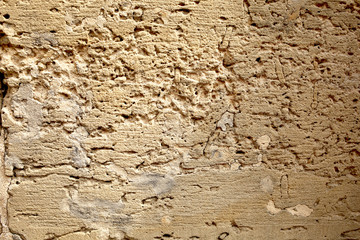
x: 180, y: 119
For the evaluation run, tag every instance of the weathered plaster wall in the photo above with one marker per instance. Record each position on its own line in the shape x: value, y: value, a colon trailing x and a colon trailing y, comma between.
x: 181, y: 119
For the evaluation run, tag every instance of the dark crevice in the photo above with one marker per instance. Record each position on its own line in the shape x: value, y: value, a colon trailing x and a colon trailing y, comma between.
x: 184, y: 10
x: 3, y: 92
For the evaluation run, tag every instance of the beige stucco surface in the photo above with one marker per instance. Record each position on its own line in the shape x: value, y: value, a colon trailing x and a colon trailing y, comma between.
x: 186, y: 119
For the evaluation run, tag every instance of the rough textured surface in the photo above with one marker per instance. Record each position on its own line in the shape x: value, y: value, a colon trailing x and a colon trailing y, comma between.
x: 186, y: 119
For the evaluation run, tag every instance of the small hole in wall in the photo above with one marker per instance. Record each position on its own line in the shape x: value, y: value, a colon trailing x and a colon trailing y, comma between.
x: 223, y: 235
x: 184, y: 10
x: 240, y: 152
x: 6, y: 16
x: 69, y: 53
x: 258, y: 59
x: 118, y: 39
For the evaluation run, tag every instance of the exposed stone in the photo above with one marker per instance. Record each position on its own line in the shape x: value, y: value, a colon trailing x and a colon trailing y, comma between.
x: 194, y: 119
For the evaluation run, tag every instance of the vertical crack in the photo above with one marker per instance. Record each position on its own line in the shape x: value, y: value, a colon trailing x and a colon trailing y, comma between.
x: 3, y: 91
x: 4, y: 180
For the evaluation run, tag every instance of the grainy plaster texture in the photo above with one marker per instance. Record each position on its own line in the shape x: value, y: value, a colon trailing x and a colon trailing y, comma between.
x: 180, y: 119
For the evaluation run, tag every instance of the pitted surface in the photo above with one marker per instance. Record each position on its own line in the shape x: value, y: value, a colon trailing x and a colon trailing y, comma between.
x: 194, y: 119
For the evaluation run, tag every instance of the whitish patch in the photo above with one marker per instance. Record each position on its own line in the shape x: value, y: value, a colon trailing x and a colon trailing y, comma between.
x: 300, y: 210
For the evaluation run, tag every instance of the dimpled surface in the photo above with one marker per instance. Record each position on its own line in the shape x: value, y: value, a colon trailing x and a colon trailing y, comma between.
x: 179, y: 119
